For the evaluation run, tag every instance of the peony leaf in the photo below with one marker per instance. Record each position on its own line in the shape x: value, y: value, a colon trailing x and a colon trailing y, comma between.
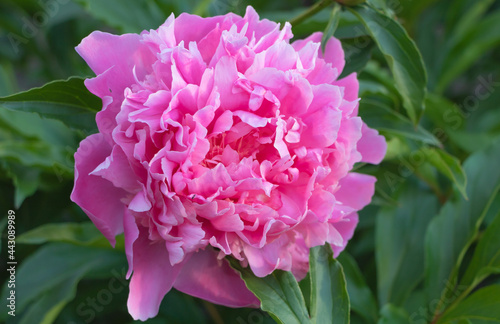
x: 448, y: 165
x: 329, y: 298
x: 128, y: 16
x: 393, y: 315
x: 3, y: 224
x: 483, y: 306
x: 56, y: 267
x: 360, y: 295
x: 65, y: 100
x: 358, y: 52
x: 378, y: 115
x: 332, y: 25
x: 75, y: 233
x: 451, y: 233
x: 48, y: 306
x: 279, y: 294
x: 486, y: 259
x: 399, y: 233
x: 446, y: 115
x: 401, y: 54
x: 470, y: 42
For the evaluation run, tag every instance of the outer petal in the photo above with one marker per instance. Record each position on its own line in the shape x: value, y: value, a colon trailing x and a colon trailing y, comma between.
x: 351, y: 87
x: 125, y: 53
x: 372, y: 146
x: 114, y: 60
x: 205, y: 277
x: 346, y: 230
x: 152, y: 279
x: 100, y: 200
x: 356, y: 190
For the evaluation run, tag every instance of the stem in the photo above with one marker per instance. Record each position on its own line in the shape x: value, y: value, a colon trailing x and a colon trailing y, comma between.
x: 213, y: 312
x: 311, y: 11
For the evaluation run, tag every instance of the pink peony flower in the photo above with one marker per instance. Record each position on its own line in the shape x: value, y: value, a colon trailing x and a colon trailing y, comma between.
x: 218, y: 137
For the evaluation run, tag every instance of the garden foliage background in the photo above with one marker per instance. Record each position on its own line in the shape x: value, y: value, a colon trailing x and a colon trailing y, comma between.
x: 427, y: 248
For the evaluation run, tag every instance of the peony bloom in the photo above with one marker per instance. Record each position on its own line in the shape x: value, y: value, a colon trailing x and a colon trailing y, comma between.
x: 218, y: 137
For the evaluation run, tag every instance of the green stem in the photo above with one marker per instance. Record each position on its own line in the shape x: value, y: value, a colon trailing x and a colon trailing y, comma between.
x: 311, y: 11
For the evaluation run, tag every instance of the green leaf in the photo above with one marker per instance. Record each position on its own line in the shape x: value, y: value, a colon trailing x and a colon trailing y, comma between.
x: 279, y: 294
x: 383, y: 118
x: 332, y: 26
x: 3, y: 223
x: 445, y: 114
x: 402, y: 56
x: 448, y: 165
x: 483, y: 306
x: 467, y: 15
x: 26, y: 182
x: 357, y: 52
x: 451, y: 233
x: 74, y: 233
x: 329, y: 298
x: 478, y: 39
x: 65, y: 100
x: 7, y: 80
x: 57, y: 266
x: 393, y: 315
x: 128, y: 16
x: 399, y: 233
x: 360, y: 296
x: 486, y: 259
x: 48, y: 306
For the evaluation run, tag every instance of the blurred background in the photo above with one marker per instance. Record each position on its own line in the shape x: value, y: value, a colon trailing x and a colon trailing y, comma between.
x: 70, y: 273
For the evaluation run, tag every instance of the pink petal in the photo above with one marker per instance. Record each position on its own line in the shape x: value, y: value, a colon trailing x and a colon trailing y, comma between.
x: 98, y: 198
x: 131, y: 234
x: 356, y: 190
x: 322, y: 128
x: 123, y: 54
x: 205, y: 277
x: 334, y: 53
x: 153, y: 277
x: 346, y: 230
x: 117, y: 170
x: 372, y: 146
x: 351, y: 87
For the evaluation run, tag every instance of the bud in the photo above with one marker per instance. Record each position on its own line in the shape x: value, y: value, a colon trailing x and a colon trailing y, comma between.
x: 350, y: 2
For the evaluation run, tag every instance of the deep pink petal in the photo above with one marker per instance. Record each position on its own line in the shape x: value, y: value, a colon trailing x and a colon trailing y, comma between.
x: 206, y: 277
